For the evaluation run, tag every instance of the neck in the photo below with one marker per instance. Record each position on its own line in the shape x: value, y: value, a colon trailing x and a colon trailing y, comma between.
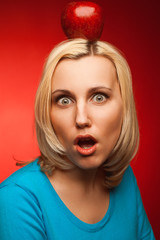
x: 83, y: 180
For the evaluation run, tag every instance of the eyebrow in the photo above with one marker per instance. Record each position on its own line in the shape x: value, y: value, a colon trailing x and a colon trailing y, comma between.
x: 91, y: 90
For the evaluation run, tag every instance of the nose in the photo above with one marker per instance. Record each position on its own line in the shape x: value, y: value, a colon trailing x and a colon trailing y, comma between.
x: 82, y: 118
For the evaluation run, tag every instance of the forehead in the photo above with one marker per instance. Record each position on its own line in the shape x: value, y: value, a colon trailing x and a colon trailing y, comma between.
x: 88, y: 70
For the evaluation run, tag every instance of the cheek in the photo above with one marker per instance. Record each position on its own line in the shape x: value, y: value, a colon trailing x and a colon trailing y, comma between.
x: 61, y: 123
x: 111, y: 121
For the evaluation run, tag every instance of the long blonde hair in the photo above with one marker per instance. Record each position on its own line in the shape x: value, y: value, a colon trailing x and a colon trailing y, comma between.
x: 52, y: 152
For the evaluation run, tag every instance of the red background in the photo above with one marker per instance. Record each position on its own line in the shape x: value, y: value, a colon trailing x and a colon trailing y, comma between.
x: 28, y: 32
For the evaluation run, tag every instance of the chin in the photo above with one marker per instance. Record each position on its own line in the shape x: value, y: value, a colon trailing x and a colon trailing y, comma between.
x: 88, y: 164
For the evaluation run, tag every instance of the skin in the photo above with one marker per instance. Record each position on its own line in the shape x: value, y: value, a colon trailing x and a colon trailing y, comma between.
x: 86, y: 99
x: 86, y: 110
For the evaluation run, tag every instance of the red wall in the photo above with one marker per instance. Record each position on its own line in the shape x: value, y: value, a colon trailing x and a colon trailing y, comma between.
x: 29, y: 30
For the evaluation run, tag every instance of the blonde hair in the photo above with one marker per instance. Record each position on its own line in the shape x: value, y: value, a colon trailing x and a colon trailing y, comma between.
x: 52, y: 152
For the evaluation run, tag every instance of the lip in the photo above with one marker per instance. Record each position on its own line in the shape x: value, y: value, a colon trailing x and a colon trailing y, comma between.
x: 88, y: 151
x: 87, y: 136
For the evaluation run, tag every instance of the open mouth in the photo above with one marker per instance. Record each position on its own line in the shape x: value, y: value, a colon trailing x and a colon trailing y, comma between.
x: 85, y: 145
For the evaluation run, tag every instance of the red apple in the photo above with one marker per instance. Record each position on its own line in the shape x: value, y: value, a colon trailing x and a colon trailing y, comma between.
x: 82, y: 20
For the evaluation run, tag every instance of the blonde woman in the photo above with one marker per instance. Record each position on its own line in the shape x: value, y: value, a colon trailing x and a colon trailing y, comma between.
x: 81, y: 187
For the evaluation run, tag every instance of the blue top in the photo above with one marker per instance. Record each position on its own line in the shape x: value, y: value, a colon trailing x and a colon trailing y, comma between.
x: 31, y: 209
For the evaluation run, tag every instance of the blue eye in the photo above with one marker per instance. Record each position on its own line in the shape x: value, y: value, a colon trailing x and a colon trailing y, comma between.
x: 99, y: 98
x: 64, y: 101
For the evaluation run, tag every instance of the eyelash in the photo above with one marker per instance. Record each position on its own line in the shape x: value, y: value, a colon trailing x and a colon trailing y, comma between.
x: 58, y: 98
x: 105, y: 96
x: 61, y: 97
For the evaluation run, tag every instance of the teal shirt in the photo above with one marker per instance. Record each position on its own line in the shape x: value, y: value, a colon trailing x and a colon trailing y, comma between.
x: 30, y: 209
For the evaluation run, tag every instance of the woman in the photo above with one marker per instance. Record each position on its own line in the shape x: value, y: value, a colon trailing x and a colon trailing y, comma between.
x: 81, y: 187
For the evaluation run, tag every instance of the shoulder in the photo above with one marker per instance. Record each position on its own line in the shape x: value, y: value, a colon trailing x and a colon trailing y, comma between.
x: 125, y: 192
x: 23, y: 174
x: 25, y: 180
x: 129, y: 175
x: 128, y: 181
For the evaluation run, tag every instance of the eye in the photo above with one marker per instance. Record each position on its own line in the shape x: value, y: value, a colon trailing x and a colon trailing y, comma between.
x: 99, y: 98
x: 64, y: 101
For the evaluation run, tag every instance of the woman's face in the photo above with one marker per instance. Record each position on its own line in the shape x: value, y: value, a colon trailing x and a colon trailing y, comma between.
x: 87, y: 109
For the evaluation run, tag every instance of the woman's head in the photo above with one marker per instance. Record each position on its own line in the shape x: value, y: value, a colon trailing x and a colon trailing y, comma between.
x: 53, y: 152
x: 86, y: 92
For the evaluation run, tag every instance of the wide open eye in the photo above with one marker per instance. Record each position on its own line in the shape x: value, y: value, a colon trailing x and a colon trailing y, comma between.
x: 99, y: 98
x: 64, y: 101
